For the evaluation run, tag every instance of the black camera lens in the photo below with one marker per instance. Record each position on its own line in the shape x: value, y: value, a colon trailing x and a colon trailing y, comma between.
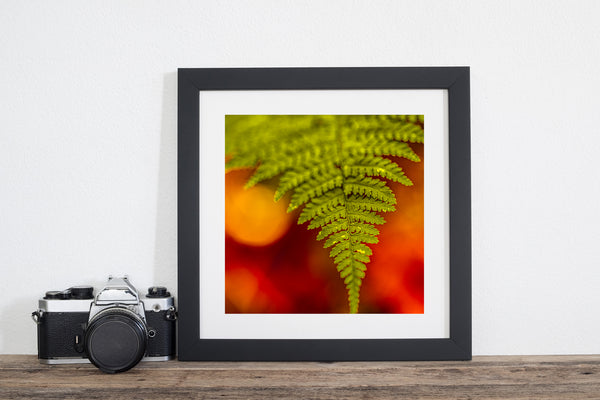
x: 82, y: 292
x: 116, y: 340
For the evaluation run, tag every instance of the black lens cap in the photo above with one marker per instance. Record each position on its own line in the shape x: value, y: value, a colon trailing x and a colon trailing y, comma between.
x: 82, y: 292
x: 158, y: 292
x: 116, y: 341
x: 58, y: 295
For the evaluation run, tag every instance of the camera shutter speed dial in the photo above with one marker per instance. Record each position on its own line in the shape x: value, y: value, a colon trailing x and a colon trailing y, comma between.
x: 158, y: 292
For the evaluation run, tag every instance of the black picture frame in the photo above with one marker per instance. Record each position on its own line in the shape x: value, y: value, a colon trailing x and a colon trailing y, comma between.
x: 191, y: 81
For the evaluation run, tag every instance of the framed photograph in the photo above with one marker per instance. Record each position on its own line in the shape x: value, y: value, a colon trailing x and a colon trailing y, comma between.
x: 324, y: 214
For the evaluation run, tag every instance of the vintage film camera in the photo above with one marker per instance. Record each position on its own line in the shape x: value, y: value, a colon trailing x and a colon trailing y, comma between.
x: 115, y: 330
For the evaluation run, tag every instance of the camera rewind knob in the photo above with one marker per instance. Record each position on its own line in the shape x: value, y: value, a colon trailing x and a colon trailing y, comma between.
x: 58, y: 295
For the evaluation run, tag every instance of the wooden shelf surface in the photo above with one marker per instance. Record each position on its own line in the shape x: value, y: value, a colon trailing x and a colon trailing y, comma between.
x: 485, y: 377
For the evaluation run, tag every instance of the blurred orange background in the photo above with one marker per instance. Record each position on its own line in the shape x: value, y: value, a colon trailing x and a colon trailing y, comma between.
x: 274, y: 265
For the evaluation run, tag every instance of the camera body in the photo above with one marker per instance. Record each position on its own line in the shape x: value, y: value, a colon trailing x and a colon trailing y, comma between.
x: 114, y: 330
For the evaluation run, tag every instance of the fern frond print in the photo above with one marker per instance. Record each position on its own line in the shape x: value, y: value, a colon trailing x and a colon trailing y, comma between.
x: 335, y: 173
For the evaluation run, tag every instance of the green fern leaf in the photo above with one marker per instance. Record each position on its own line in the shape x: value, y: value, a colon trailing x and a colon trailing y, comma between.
x: 369, y: 187
x: 390, y: 127
x: 376, y: 166
x: 333, y: 227
x: 338, y: 248
x: 294, y: 177
x: 337, y: 213
x: 359, y: 227
x: 246, y: 161
x: 390, y: 148
x: 368, y: 204
x: 366, y: 216
x: 321, y: 205
x: 335, y: 168
x: 315, y: 188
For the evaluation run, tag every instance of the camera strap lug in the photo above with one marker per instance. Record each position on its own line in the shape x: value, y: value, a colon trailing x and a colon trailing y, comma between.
x: 36, y: 316
x: 171, y: 314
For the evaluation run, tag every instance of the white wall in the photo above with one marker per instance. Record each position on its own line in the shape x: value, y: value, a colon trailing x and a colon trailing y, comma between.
x: 88, y: 141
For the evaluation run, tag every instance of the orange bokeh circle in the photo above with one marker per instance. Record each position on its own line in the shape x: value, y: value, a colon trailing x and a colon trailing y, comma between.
x: 252, y: 216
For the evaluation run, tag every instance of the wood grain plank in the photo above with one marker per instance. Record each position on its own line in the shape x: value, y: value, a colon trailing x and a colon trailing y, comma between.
x: 519, y: 377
